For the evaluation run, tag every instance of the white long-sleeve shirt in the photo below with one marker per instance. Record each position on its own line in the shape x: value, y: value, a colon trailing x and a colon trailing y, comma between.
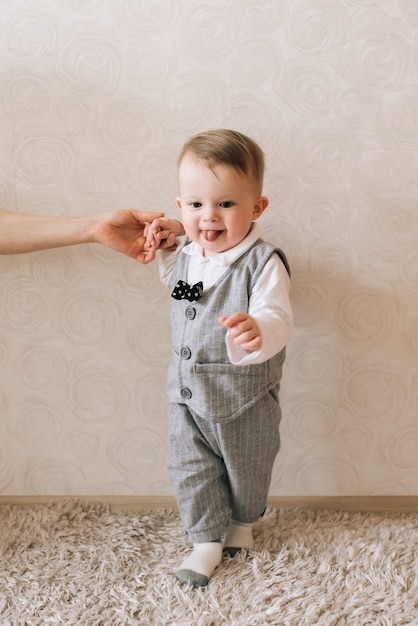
x: 269, y: 302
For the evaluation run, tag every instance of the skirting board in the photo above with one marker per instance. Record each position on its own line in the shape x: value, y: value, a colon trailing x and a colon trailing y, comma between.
x: 398, y: 504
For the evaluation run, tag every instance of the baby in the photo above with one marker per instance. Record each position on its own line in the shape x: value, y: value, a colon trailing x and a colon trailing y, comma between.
x: 231, y: 319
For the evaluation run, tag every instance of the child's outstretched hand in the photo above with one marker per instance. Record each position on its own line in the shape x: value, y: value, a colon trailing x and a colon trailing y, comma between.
x: 244, y: 330
x: 162, y: 232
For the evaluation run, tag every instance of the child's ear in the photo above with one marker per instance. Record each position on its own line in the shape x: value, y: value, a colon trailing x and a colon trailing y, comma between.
x: 260, y: 206
x: 178, y: 202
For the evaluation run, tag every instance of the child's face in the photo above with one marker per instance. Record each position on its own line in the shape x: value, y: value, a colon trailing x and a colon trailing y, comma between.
x: 218, y: 204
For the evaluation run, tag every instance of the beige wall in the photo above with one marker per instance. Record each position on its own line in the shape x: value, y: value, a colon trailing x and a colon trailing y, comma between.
x: 96, y: 99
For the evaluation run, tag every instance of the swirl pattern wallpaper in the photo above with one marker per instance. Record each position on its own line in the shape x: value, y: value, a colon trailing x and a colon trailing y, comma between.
x: 96, y: 100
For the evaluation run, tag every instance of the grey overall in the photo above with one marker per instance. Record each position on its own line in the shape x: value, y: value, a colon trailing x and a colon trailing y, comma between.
x: 223, y: 433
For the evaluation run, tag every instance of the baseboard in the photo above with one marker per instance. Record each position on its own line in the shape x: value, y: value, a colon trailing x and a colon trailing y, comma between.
x: 398, y: 504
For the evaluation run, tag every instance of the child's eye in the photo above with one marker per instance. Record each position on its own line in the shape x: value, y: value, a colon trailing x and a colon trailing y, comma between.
x: 226, y: 204
x: 195, y: 205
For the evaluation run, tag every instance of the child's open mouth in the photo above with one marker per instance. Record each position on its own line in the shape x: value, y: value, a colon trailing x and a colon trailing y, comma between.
x: 210, y: 235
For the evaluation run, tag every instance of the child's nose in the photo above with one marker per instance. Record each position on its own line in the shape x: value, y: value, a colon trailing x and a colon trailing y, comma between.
x: 210, y: 213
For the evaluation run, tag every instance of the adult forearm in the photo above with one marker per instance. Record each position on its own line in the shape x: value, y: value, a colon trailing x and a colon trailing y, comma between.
x: 27, y: 233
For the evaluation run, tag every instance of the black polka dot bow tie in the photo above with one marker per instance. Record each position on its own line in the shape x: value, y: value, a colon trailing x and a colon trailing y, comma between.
x: 184, y: 291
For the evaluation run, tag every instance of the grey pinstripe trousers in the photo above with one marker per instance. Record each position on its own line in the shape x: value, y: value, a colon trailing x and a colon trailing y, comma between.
x: 222, y: 471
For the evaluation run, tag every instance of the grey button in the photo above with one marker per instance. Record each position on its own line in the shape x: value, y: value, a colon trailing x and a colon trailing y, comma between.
x: 190, y: 313
x: 186, y: 393
x: 185, y: 352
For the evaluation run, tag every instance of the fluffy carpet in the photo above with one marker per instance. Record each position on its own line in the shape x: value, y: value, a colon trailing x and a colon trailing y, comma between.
x: 84, y: 563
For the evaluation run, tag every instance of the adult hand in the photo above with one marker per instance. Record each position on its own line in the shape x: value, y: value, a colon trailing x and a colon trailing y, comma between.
x: 123, y: 231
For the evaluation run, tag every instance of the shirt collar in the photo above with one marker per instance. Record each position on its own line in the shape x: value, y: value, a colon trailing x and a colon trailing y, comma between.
x: 229, y: 256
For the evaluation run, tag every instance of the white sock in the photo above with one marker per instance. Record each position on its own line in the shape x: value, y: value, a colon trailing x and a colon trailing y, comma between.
x: 199, y: 565
x: 238, y: 537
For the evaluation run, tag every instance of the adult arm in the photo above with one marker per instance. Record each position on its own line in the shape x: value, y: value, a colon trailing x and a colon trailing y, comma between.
x: 121, y: 230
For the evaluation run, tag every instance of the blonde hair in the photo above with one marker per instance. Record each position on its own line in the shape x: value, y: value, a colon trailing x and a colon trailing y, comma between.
x: 227, y: 147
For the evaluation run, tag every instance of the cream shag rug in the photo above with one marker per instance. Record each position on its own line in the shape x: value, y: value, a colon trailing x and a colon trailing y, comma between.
x: 83, y: 563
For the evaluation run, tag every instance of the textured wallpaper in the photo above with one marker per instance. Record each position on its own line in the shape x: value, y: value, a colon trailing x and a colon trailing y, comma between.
x: 96, y: 99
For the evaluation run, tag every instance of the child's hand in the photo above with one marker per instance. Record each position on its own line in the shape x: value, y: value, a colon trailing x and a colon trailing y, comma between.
x: 244, y: 330
x: 162, y: 231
